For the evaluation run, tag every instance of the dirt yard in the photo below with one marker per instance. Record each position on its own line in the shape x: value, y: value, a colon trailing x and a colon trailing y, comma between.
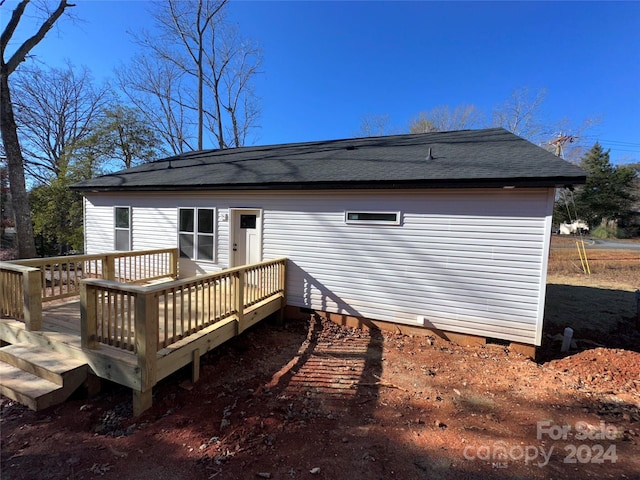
x: 310, y: 399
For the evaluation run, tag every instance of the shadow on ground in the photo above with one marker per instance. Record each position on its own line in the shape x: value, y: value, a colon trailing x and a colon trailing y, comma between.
x: 599, y: 317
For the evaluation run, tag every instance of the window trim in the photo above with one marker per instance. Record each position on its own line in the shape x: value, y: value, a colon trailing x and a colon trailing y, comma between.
x: 195, y: 234
x: 351, y: 221
x: 116, y: 228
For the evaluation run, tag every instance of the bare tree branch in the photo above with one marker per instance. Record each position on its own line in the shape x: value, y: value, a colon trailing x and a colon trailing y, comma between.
x: 21, y: 53
x: 56, y: 109
x: 155, y: 88
x: 443, y: 119
x: 520, y: 114
x: 211, y: 73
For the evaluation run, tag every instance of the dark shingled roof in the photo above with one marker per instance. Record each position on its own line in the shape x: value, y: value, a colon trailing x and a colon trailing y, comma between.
x: 469, y: 158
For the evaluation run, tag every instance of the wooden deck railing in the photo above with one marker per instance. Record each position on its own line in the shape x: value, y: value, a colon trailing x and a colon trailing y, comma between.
x: 20, y: 294
x: 52, y: 278
x: 164, y: 326
x: 132, y: 316
x: 145, y: 266
x: 60, y: 276
x: 260, y: 281
x: 190, y: 305
x: 146, y: 319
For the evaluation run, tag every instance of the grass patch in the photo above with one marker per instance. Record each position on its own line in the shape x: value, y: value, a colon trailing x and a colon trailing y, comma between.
x: 619, y: 269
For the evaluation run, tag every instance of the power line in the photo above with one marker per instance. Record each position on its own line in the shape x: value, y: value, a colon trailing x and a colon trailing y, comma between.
x: 622, y: 143
x: 616, y: 145
x: 628, y: 151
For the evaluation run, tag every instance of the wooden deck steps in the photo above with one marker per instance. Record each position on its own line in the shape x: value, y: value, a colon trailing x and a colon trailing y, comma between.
x: 38, y: 377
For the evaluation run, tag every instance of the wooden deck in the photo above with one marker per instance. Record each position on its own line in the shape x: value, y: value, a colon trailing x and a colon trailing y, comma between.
x: 134, y: 334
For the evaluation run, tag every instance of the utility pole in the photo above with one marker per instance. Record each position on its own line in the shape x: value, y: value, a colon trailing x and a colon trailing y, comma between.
x: 560, y: 141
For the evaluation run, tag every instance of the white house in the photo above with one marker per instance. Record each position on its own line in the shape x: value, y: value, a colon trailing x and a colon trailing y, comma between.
x: 448, y: 231
x: 573, y: 227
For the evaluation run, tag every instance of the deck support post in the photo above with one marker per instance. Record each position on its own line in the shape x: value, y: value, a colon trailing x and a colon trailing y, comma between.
x: 146, y: 347
x: 88, y: 320
x: 93, y: 385
x: 142, y: 401
x: 195, y: 369
x: 280, y: 317
x: 32, y: 288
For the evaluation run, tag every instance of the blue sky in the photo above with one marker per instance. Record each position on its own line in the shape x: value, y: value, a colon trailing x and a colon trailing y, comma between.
x: 326, y: 64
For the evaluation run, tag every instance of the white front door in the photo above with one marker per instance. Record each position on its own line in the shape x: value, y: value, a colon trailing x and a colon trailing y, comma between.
x: 246, y: 237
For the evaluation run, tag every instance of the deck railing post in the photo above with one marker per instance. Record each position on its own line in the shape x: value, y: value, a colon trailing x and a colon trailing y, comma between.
x: 32, y: 291
x: 146, y: 347
x: 109, y: 267
x: 88, y: 316
x: 282, y: 286
x: 173, y: 259
x: 239, y: 297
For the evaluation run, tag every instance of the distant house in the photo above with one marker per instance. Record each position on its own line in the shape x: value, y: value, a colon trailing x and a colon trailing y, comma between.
x: 577, y: 226
x: 447, y: 231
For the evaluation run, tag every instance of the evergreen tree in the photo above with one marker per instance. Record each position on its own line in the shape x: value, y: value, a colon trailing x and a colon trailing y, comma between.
x: 607, y: 195
x: 57, y: 217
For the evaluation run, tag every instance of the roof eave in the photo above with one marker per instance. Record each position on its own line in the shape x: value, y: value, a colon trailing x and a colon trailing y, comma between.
x: 520, y: 182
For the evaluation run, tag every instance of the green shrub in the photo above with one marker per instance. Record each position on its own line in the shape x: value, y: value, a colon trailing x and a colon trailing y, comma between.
x: 602, y: 231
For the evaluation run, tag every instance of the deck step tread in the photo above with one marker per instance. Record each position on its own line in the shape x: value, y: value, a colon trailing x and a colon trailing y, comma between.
x: 54, y: 362
x: 18, y: 384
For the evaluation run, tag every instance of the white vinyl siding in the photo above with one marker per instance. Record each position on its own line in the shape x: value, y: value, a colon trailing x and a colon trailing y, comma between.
x: 462, y: 270
x: 98, y: 226
x: 152, y: 226
x: 470, y: 261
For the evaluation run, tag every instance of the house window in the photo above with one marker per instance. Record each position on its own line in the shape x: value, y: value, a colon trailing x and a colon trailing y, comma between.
x: 122, y: 222
x: 375, y: 218
x: 196, y: 232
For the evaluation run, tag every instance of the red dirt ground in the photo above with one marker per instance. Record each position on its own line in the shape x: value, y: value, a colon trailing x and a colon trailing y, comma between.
x: 315, y: 400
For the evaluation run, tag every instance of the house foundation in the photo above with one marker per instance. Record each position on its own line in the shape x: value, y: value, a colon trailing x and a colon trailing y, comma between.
x: 351, y: 321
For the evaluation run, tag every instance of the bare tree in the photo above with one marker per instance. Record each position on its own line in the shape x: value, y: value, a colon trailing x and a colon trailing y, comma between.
x: 421, y: 123
x: 56, y: 110
x: 373, y: 125
x: 210, y: 69
x: 520, y: 114
x: 233, y: 64
x: 155, y: 88
x: 15, y: 161
x: 187, y: 26
x: 444, y: 119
